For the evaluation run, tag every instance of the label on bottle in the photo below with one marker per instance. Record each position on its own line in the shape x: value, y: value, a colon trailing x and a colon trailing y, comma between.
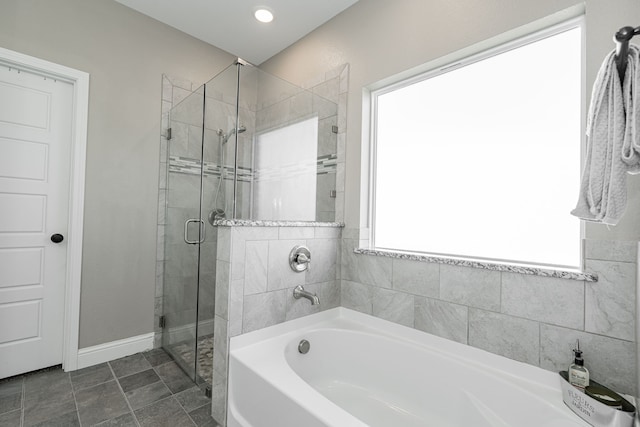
x: 578, y: 378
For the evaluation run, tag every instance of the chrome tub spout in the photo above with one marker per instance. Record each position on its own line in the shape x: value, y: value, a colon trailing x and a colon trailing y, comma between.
x: 299, y: 292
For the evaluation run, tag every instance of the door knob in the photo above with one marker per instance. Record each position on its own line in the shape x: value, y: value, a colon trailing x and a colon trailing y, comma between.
x: 57, y: 238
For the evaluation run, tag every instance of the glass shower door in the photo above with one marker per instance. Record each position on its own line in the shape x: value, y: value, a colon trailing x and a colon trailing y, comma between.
x: 218, y: 165
x: 184, y: 232
x: 200, y: 187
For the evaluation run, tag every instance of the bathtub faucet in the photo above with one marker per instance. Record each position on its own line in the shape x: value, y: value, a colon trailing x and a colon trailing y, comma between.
x: 299, y: 292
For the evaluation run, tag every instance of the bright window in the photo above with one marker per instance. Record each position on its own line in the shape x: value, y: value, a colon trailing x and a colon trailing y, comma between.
x: 481, y: 159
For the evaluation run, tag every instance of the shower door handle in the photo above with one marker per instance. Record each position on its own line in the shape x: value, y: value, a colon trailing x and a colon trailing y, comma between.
x: 201, y: 231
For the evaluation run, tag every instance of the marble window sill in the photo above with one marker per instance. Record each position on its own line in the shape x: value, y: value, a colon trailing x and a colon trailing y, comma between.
x: 268, y: 223
x: 535, y: 271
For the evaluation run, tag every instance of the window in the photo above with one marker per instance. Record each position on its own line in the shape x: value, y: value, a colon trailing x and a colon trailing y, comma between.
x: 481, y: 159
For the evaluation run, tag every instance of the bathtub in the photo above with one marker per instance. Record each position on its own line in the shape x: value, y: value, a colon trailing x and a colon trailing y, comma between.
x: 363, y: 371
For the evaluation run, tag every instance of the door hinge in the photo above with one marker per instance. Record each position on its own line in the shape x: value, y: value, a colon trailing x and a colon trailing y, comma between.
x: 168, y: 134
x: 162, y: 321
x: 334, y: 129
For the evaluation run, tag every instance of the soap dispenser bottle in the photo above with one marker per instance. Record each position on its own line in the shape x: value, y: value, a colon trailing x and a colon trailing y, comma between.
x: 578, y: 374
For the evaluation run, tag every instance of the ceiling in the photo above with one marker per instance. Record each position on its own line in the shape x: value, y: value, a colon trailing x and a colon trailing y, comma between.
x: 230, y: 25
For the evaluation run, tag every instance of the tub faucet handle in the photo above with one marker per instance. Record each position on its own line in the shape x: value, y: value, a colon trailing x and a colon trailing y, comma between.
x: 303, y: 259
x: 300, y: 258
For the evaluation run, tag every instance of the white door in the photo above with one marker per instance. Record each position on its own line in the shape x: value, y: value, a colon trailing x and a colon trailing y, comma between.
x: 35, y: 142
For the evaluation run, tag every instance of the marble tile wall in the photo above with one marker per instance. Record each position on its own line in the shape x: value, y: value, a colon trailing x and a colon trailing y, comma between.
x: 528, y: 318
x: 254, y: 285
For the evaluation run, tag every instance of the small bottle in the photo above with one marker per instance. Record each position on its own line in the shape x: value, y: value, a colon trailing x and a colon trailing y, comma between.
x: 578, y: 374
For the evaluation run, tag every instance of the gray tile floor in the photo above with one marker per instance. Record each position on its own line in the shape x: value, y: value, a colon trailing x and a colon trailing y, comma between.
x: 145, y: 389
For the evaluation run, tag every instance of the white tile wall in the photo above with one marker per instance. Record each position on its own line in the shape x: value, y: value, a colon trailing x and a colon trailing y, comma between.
x: 394, y: 306
x: 442, y: 318
x: 513, y: 337
x: 357, y: 296
x: 323, y: 263
x: 470, y: 286
x: 255, y: 289
x: 255, y: 265
x: 610, y: 305
x: 545, y: 299
x: 265, y: 309
x: 418, y: 278
x: 532, y: 319
x: 375, y: 272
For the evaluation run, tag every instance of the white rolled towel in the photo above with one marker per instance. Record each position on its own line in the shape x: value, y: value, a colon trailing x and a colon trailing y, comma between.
x: 613, y: 142
x: 631, y: 100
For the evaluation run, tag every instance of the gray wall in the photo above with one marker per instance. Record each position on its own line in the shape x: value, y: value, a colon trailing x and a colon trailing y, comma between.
x: 125, y: 54
x: 380, y: 38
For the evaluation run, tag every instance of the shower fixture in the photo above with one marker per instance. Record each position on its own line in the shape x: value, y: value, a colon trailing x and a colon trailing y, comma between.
x: 226, y: 136
x: 219, y: 212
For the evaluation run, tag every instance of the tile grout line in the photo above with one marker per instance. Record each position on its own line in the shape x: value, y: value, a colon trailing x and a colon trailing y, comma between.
x: 160, y: 376
x: 168, y: 388
x: 23, y: 400
x: 160, y: 380
x: 195, y: 409
x: 75, y: 402
x: 178, y: 401
x: 174, y: 394
x: 135, y: 419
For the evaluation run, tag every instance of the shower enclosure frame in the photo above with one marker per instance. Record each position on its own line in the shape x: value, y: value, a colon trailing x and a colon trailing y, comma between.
x: 182, y: 321
x: 238, y: 183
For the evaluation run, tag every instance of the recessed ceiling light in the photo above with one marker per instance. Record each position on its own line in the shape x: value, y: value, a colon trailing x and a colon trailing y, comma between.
x: 263, y: 15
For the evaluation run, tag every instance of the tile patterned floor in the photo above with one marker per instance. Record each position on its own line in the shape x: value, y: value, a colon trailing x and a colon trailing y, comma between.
x: 145, y: 389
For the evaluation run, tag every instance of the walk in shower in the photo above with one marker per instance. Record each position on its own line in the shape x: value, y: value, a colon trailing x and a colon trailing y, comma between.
x: 245, y: 145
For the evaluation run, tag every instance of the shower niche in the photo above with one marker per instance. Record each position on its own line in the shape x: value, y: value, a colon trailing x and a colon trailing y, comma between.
x: 244, y: 146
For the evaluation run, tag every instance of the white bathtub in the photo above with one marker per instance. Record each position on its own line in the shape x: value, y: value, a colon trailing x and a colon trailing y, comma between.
x: 364, y: 371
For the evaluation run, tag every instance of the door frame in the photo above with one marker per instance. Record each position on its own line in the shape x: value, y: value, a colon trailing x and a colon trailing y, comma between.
x: 80, y: 81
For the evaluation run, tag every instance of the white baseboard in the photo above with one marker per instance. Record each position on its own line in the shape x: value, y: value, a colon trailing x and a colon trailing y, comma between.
x: 106, y: 352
